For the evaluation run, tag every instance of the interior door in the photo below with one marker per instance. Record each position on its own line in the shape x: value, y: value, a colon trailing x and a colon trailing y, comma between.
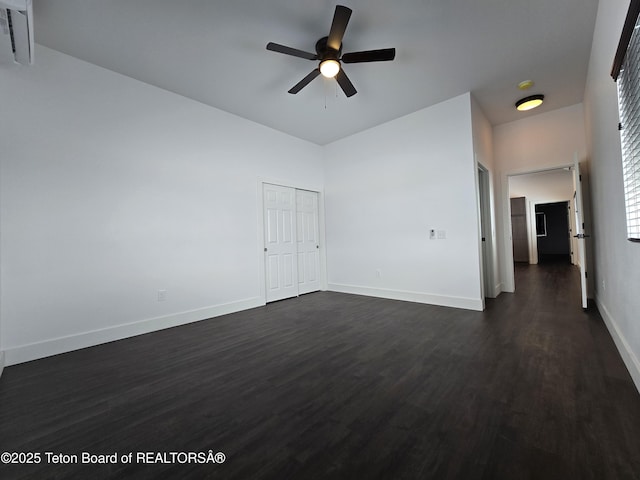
x: 485, y: 230
x: 308, y: 241
x: 280, y: 249
x: 580, y: 234
x: 519, y: 231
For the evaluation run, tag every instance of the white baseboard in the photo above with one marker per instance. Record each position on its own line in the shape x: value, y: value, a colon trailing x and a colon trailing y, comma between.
x: 444, y: 301
x: 629, y: 358
x: 495, y: 291
x: 55, y: 346
x: 1, y: 363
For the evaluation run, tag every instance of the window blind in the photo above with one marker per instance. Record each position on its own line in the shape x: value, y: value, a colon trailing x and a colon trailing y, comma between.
x: 628, y: 82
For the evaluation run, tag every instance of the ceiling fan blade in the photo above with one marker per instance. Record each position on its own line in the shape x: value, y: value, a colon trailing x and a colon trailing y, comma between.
x: 338, y: 27
x: 305, y: 81
x: 346, y: 85
x: 370, y: 56
x: 276, y: 47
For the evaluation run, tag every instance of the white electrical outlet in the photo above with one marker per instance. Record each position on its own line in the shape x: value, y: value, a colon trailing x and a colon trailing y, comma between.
x: 378, y: 273
x: 162, y: 295
x: 432, y: 234
x: 442, y: 234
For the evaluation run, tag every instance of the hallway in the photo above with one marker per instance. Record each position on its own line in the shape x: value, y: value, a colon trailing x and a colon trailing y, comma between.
x: 576, y: 397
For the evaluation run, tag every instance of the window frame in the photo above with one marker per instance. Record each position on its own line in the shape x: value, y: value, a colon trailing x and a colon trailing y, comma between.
x: 631, y: 177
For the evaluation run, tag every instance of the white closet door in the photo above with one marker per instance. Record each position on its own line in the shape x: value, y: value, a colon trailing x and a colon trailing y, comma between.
x: 308, y: 241
x: 280, y: 242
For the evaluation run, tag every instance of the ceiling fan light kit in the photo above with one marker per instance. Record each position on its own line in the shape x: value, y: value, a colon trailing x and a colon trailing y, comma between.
x: 329, y: 68
x: 529, y: 103
x: 329, y: 53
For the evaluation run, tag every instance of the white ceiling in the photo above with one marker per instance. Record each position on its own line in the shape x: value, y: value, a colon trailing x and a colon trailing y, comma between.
x: 214, y: 52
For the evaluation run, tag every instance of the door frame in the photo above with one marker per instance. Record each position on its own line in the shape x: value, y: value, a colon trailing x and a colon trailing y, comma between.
x: 485, y: 222
x: 535, y: 254
x: 260, y: 243
x: 508, y: 272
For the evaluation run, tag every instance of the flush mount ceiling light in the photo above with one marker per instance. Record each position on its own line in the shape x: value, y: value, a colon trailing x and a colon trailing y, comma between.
x: 528, y: 103
x: 329, y: 68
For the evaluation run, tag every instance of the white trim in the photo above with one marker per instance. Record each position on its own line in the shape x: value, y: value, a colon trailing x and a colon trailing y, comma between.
x: 479, y: 213
x: 630, y: 360
x: 486, y: 247
x: 418, y: 297
x: 1, y: 363
x: 285, y: 183
x: 33, y: 351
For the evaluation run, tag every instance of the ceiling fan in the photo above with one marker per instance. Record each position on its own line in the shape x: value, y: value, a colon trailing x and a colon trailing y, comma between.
x: 329, y: 52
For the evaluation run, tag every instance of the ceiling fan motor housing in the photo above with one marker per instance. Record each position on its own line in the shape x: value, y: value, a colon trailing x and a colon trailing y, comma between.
x: 325, y: 52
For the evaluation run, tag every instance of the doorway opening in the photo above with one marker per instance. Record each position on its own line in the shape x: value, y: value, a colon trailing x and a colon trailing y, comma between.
x: 539, y: 231
x: 488, y: 286
x: 553, y: 232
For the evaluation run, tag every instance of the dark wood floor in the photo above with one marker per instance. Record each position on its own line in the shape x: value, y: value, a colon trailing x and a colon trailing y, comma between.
x: 344, y: 387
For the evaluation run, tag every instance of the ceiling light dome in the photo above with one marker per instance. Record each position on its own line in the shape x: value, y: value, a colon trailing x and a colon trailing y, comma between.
x: 528, y: 103
x: 329, y: 68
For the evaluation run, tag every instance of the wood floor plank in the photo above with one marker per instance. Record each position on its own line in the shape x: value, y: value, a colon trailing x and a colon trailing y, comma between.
x: 331, y: 385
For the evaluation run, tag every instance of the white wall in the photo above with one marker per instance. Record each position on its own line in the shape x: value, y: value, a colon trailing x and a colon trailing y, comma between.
x: 537, y: 142
x: 386, y: 188
x: 111, y: 190
x: 617, y: 268
x: 547, y: 186
x: 2, y: 355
